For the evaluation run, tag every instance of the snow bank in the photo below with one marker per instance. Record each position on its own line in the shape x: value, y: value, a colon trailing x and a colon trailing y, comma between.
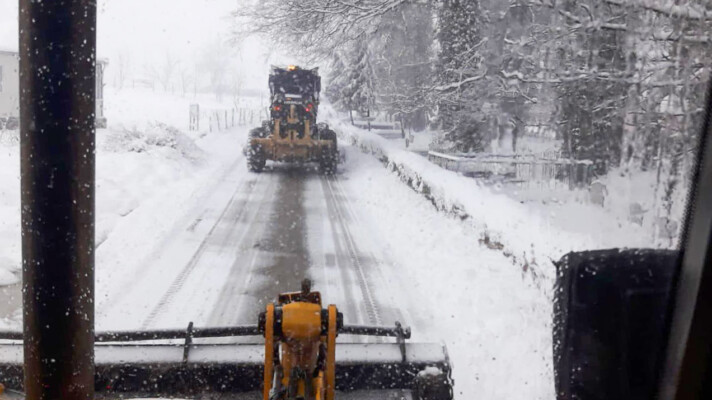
x: 149, y: 136
x: 483, y: 279
x: 531, y: 234
x: 149, y: 168
x: 492, y: 314
x: 9, y: 137
x: 9, y: 209
x: 7, y: 277
x: 131, y: 107
x: 490, y: 214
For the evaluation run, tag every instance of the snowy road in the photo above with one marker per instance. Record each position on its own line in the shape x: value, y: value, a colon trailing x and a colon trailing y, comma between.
x: 213, y: 244
x: 249, y: 237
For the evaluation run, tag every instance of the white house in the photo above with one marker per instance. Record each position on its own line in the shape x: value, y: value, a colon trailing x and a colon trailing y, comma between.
x: 10, y: 90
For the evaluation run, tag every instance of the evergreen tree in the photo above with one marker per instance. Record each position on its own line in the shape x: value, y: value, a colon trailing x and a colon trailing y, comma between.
x: 459, y: 36
x: 593, y: 90
x: 359, y: 95
x: 404, y: 64
x: 337, y: 80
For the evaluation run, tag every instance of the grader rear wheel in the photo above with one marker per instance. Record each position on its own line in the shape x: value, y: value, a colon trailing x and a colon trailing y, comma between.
x: 256, y: 159
x: 328, y: 162
x: 432, y: 384
x: 330, y: 157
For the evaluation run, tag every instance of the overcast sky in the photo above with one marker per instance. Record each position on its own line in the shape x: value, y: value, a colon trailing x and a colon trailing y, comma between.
x: 146, y: 30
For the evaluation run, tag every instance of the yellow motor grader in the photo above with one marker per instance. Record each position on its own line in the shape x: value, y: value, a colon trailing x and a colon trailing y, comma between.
x: 292, y: 133
x: 302, y: 358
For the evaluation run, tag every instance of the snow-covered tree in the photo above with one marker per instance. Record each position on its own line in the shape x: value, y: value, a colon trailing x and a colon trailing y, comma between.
x: 123, y: 69
x: 403, y: 59
x: 358, y: 93
x: 458, y: 68
x: 167, y: 71
x: 314, y: 28
x: 593, y: 77
x: 336, y: 80
x: 215, y: 63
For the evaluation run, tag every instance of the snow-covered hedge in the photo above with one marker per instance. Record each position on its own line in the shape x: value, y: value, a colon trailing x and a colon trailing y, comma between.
x: 488, y: 213
x: 408, y: 174
x: 530, y: 234
x: 151, y: 135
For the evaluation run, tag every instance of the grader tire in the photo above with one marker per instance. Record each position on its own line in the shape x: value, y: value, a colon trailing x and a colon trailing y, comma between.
x: 256, y: 159
x: 330, y: 158
x: 432, y: 385
x: 259, y: 132
x: 328, y: 163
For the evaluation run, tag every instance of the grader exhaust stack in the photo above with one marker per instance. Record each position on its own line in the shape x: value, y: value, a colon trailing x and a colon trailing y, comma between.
x: 292, y: 133
x: 301, y: 358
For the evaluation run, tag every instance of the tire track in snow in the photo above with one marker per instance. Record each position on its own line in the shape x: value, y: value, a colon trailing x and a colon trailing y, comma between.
x: 371, y: 306
x: 230, y: 305
x: 169, y: 296
x: 333, y: 269
x: 396, y: 312
x: 106, y: 305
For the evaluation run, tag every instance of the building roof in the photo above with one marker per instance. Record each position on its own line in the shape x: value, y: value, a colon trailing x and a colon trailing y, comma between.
x: 7, y: 50
x: 13, y: 51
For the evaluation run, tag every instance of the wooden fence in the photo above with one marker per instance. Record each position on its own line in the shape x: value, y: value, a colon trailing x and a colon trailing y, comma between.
x: 220, y: 119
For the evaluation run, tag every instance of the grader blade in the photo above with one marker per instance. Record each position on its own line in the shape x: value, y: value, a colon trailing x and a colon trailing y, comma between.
x: 128, y: 368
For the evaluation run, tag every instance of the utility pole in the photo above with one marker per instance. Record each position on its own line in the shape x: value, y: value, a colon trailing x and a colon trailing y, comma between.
x: 57, y: 108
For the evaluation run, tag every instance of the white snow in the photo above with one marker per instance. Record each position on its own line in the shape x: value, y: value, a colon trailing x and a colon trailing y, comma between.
x: 9, y: 208
x: 526, y: 229
x: 480, y: 285
x: 492, y: 315
x: 476, y: 269
x: 475, y: 272
x: 7, y: 277
x: 148, y: 172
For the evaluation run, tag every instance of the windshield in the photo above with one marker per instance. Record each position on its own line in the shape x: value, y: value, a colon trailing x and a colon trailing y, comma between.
x: 294, y: 82
x: 459, y: 151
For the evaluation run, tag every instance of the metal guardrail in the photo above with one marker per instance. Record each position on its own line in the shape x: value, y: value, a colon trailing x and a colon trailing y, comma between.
x: 387, y: 130
x: 519, y: 168
x: 507, y: 158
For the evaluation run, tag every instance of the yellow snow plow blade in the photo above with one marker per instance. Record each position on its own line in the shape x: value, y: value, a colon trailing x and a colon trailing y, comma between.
x: 161, y: 369
x: 299, y: 358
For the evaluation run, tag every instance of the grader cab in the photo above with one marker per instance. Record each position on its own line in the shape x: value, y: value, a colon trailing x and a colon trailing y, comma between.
x: 292, y: 133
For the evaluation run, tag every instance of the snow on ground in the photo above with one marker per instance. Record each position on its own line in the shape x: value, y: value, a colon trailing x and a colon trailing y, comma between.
x: 484, y: 282
x: 493, y: 317
x: 490, y: 305
x: 9, y: 208
x: 149, y: 169
x: 135, y: 107
x: 630, y: 205
x: 532, y: 231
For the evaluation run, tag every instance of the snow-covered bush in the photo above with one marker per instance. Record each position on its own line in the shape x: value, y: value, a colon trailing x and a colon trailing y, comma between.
x: 151, y: 136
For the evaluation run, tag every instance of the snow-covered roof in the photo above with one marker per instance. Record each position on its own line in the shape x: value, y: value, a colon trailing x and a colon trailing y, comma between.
x: 8, y: 50
x: 13, y: 51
